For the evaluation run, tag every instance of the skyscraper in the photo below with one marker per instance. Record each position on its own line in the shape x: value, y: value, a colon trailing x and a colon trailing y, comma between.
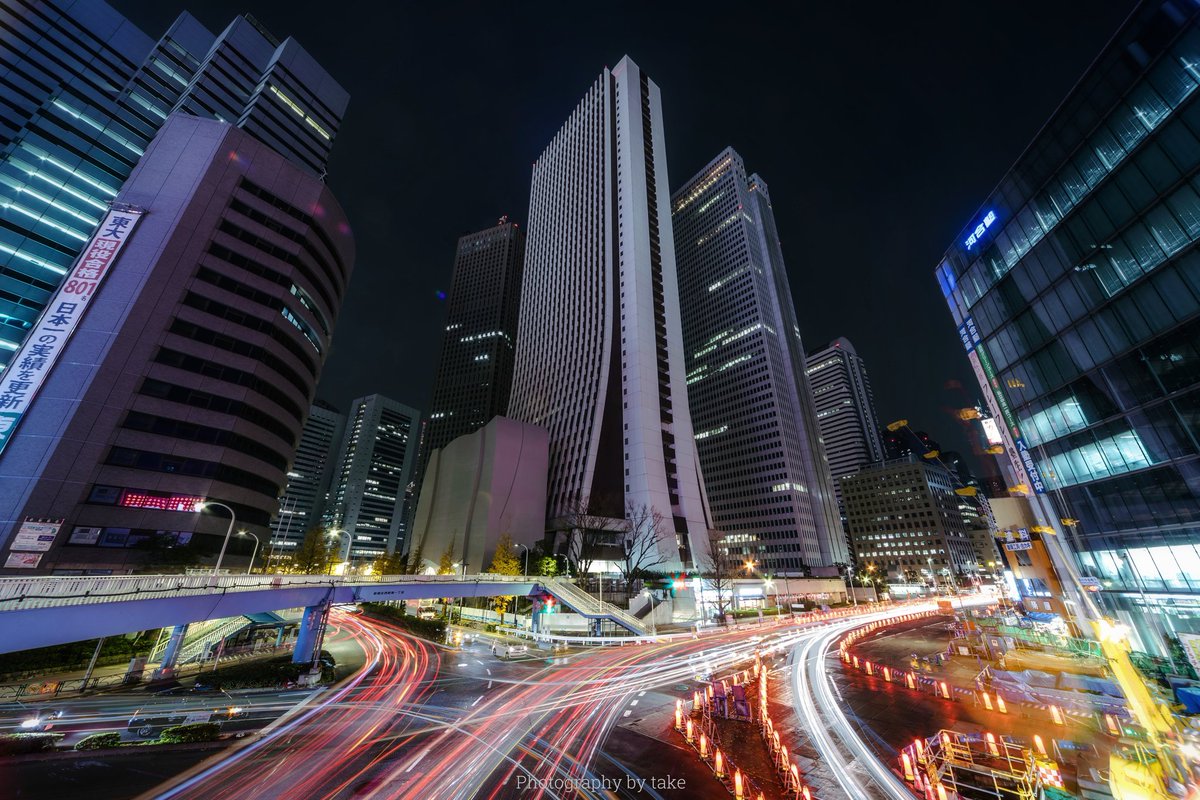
x: 767, y: 480
x: 1076, y: 289
x: 845, y: 409
x: 88, y: 91
x: 906, y: 520
x: 203, y: 342
x: 375, y: 463
x: 599, y: 351
x: 308, y: 479
x: 474, y: 376
x: 192, y: 372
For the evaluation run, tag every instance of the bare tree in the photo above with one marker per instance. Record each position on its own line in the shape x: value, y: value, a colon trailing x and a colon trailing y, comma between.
x: 589, y: 524
x: 644, y: 526
x: 718, y: 568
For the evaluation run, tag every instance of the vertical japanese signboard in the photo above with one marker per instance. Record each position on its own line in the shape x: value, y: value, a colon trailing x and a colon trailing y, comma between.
x: 29, y: 367
x: 1019, y: 456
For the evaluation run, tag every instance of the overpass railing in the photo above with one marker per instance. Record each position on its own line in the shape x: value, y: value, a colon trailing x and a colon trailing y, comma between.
x: 54, y: 590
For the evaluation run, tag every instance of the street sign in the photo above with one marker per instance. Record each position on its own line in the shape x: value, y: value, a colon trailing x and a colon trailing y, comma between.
x: 1018, y: 545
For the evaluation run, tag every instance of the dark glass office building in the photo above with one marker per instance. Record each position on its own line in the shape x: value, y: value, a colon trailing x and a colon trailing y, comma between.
x: 1076, y: 289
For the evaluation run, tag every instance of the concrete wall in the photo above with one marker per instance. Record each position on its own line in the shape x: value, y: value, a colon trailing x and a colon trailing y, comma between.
x: 478, y: 487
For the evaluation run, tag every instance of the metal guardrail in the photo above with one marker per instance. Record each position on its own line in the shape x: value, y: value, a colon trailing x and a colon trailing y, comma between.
x: 53, y: 590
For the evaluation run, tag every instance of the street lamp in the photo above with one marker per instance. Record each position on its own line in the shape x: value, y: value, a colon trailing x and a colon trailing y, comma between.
x: 199, y: 507
x: 850, y: 574
x: 340, y: 533
x: 254, y: 552
x: 933, y: 575
x: 526, y: 573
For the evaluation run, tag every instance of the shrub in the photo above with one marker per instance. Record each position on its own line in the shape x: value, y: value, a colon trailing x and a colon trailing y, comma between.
x: 270, y: 672
x: 431, y: 629
x: 19, y: 744
x: 99, y: 741
x: 195, y: 732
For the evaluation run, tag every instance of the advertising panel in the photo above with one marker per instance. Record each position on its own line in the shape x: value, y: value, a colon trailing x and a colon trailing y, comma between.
x: 29, y: 366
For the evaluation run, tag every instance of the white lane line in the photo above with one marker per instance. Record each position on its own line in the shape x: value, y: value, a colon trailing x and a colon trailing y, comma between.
x: 480, y: 663
x: 418, y: 760
x: 634, y: 703
x: 489, y: 684
x: 627, y: 713
x: 489, y: 672
x: 641, y: 694
x: 477, y: 699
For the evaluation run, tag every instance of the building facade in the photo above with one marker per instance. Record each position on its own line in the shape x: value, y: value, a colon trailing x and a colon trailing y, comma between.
x: 1076, y: 289
x: 845, y: 409
x: 308, y: 479
x: 191, y: 375
x: 599, y: 351
x: 474, y: 373
x: 375, y: 464
x: 905, y: 520
x: 479, y: 487
x: 85, y: 93
x: 765, y: 473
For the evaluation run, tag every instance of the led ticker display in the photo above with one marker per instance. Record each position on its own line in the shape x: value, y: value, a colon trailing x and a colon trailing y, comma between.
x: 159, y: 502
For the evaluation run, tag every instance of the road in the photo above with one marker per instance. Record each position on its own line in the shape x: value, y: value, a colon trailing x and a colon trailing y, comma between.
x: 425, y: 721
x: 857, y: 771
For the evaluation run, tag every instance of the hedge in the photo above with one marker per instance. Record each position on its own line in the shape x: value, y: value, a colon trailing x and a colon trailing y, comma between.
x: 19, y: 744
x: 99, y: 741
x: 432, y: 629
x: 195, y: 732
x: 275, y: 671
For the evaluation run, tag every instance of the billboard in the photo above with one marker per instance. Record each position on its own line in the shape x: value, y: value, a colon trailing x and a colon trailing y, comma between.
x: 29, y: 366
x: 35, y: 535
x: 991, y: 430
x: 23, y: 560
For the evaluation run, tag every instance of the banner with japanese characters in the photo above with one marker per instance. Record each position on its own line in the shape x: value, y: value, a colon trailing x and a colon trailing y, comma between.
x: 27, y: 371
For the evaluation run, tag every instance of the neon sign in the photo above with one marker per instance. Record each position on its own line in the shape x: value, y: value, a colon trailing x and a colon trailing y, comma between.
x: 980, y: 228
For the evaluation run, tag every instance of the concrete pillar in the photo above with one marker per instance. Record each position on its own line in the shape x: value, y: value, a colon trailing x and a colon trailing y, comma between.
x: 279, y: 636
x: 311, y: 634
x: 167, y: 668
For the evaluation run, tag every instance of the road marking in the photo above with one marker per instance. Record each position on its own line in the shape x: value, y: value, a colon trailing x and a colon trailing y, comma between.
x: 641, y: 694
x: 489, y: 672
x: 477, y: 699
x: 627, y: 713
x: 480, y: 663
x: 489, y: 684
x: 463, y: 664
x: 634, y: 703
x: 418, y: 761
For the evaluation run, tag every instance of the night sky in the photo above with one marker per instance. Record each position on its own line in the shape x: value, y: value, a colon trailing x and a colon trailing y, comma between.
x: 879, y: 128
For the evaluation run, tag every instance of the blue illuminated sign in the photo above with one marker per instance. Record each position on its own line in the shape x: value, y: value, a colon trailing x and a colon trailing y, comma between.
x: 980, y: 228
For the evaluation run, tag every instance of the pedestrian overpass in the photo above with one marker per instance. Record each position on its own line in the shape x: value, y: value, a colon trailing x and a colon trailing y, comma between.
x: 40, y: 611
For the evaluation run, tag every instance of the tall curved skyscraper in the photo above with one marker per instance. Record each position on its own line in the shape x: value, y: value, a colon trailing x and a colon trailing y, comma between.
x: 599, y: 349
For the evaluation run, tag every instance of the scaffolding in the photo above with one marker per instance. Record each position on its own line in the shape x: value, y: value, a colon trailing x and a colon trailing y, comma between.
x: 974, y: 766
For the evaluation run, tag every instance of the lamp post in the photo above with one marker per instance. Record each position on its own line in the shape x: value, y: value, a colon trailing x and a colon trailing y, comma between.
x: 254, y: 552
x: 526, y: 573
x: 850, y: 574
x: 932, y: 574
x: 203, y: 504
x: 340, y: 533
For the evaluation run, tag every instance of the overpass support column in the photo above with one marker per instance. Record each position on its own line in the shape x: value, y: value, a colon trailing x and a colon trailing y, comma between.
x: 311, y: 634
x: 167, y: 668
